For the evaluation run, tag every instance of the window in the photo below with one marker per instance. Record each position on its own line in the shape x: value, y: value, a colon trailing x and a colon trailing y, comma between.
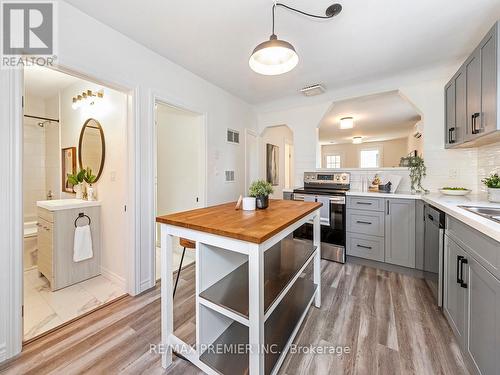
x: 369, y: 158
x: 233, y: 136
x: 333, y: 161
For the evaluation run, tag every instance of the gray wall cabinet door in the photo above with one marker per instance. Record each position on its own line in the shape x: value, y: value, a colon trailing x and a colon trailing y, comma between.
x: 460, y: 107
x: 450, y: 120
x: 488, y: 50
x: 400, y: 232
x: 473, y: 73
x: 454, y: 299
x: 483, y: 319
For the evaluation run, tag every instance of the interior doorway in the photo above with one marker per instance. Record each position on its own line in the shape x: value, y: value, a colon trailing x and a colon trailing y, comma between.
x: 251, y: 158
x: 180, y: 181
x: 74, y: 251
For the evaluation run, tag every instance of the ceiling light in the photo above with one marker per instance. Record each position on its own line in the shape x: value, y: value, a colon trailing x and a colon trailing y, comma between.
x: 346, y: 123
x: 357, y: 140
x: 86, y: 98
x: 275, y: 56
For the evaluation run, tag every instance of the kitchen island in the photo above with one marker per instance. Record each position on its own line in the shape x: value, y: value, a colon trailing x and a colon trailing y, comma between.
x: 254, y: 284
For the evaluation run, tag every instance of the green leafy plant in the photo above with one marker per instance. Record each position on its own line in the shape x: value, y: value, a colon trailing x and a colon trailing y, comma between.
x: 260, y: 188
x: 454, y: 188
x: 492, y: 182
x: 76, y: 178
x: 418, y: 171
x: 88, y: 176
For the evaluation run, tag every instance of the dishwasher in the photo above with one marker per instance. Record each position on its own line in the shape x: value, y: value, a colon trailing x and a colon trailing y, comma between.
x: 433, y: 267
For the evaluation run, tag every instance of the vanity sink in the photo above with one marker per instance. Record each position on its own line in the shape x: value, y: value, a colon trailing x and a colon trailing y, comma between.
x: 66, y: 204
x: 492, y: 213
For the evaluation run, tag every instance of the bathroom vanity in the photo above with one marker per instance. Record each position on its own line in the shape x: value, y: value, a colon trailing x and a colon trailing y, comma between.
x: 56, y: 227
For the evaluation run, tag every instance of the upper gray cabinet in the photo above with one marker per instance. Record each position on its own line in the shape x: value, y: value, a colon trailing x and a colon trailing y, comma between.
x: 471, y: 97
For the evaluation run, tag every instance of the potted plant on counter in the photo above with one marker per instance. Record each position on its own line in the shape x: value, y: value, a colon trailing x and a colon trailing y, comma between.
x: 89, y: 179
x: 261, y: 189
x: 418, y: 171
x: 77, y: 181
x: 493, y: 184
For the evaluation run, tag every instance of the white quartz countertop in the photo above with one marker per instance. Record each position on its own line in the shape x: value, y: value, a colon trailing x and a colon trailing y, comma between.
x: 397, y: 194
x: 450, y: 205
x: 66, y: 204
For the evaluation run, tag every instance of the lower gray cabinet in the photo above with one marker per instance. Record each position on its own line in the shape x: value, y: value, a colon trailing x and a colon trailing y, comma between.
x: 400, y: 232
x: 454, y: 298
x: 482, y: 343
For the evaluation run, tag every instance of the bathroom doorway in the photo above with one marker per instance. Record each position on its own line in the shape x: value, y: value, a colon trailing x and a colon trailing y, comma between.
x: 74, y: 196
x: 180, y: 182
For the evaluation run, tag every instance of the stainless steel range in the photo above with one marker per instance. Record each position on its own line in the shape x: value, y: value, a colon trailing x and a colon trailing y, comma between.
x: 328, y: 188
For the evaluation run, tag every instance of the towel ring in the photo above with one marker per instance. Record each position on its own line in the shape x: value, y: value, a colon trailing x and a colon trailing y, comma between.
x: 80, y: 215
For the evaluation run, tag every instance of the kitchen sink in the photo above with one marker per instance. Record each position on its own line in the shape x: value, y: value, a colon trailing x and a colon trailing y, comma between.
x: 491, y: 213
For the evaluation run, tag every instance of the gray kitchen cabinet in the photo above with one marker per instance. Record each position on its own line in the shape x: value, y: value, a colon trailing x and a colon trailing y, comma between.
x: 471, y: 97
x: 400, y: 232
x: 419, y: 234
x: 483, y: 318
x: 454, y: 298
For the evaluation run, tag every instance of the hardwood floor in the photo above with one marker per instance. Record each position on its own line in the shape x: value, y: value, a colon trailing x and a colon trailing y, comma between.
x: 387, y: 320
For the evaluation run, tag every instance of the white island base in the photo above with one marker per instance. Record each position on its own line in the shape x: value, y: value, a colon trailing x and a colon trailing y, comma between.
x: 248, y: 296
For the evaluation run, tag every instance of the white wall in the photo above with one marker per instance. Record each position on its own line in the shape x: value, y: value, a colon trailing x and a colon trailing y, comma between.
x: 424, y: 91
x: 278, y: 136
x: 111, y: 188
x: 391, y: 152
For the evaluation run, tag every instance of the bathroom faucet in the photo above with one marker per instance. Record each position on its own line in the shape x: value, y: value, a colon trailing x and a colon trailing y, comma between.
x: 49, y: 195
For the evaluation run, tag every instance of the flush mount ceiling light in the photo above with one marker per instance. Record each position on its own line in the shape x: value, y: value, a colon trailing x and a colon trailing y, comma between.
x: 275, y: 56
x: 357, y: 140
x: 346, y: 123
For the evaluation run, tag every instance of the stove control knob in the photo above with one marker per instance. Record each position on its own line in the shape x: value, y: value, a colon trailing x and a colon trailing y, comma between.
x: 344, y: 177
x: 337, y: 177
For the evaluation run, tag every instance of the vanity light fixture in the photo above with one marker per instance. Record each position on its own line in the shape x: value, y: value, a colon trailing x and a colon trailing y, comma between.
x: 276, y: 56
x: 87, y: 98
x: 346, y: 123
x: 357, y: 140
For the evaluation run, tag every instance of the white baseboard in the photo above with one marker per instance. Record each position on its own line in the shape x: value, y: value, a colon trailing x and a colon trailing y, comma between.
x: 117, y: 279
x: 145, y: 285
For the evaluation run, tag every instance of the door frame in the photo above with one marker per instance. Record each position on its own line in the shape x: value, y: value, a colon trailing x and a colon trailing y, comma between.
x: 256, y: 135
x: 11, y: 228
x: 162, y: 99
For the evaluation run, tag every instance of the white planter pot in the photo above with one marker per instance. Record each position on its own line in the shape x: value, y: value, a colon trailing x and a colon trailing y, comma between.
x: 78, y: 189
x: 248, y: 204
x: 494, y: 195
x: 90, y: 193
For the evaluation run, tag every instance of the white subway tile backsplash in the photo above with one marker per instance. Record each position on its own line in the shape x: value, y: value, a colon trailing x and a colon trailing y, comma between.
x: 488, y: 159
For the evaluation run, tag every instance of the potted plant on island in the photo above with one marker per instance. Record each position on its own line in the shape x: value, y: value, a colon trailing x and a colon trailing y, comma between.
x: 89, y: 179
x: 76, y: 180
x: 493, y: 184
x: 261, y: 189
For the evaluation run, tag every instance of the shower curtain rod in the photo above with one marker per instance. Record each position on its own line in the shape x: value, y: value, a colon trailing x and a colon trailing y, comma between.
x: 42, y: 118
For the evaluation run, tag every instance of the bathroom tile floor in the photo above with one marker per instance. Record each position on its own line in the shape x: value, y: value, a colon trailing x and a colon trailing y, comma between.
x: 44, y: 309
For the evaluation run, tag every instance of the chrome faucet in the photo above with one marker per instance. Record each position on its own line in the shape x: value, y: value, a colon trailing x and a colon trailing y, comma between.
x: 49, y: 195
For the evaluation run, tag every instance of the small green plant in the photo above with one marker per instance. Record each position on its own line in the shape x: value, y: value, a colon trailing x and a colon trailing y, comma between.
x: 260, y: 188
x: 492, y: 182
x: 76, y: 178
x: 88, y: 176
x: 418, y: 171
x: 454, y: 188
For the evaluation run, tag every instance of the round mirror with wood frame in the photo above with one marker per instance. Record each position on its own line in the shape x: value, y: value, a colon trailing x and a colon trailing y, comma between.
x: 92, y: 147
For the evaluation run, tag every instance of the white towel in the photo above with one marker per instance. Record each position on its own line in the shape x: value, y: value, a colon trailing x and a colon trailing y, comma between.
x: 82, y: 246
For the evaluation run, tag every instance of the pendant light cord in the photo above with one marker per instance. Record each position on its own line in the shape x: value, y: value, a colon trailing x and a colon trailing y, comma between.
x: 297, y: 11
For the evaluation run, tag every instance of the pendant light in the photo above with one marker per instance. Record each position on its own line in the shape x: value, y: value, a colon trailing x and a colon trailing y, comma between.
x: 276, y: 56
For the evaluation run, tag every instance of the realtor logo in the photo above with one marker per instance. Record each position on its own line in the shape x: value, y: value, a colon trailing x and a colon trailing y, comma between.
x: 27, y: 28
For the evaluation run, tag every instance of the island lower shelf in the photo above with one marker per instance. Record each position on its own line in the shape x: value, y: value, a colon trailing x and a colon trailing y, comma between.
x: 282, y: 262
x: 278, y: 330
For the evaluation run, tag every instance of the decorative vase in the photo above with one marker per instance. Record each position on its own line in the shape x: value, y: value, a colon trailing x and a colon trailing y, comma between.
x: 90, y: 193
x: 78, y: 189
x: 494, y: 195
x: 248, y: 204
x: 262, y: 201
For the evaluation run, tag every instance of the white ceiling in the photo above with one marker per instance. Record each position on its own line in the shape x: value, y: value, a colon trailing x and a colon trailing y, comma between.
x: 368, y: 40
x: 46, y: 83
x: 377, y: 118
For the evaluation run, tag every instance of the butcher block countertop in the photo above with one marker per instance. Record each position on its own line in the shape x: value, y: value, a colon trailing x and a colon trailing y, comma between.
x: 251, y: 226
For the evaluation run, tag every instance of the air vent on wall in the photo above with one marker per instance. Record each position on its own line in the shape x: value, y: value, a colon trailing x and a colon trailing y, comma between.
x: 229, y: 176
x: 233, y: 136
x: 313, y: 90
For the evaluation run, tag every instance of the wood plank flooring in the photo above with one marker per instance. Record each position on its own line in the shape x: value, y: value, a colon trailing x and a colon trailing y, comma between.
x: 388, y: 321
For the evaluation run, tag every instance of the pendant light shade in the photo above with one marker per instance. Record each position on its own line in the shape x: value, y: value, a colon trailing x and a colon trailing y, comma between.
x: 273, y: 57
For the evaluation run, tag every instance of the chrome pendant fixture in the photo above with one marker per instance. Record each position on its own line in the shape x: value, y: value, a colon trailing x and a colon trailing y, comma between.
x: 275, y: 56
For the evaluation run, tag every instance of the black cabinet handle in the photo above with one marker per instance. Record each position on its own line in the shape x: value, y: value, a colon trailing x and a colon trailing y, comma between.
x: 474, y: 119
x: 459, y: 259
x: 365, y: 203
x: 387, y: 203
x: 364, y: 247
x: 363, y: 222
x: 430, y: 217
x: 462, y: 262
x: 451, y: 138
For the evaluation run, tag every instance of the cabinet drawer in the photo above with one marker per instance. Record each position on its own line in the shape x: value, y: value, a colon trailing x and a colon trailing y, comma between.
x: 366, y: 203
x: 363, y: 246
x: 365, y: 222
